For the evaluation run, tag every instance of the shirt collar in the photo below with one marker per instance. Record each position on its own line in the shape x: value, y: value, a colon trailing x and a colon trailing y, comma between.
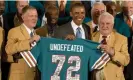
x: 29, y: 31
x: 93, y: 24
x: 100, y: 39
x: 131, y: 17
x: 125, y: 18
x: 107, y: 36
x: 74, y: 26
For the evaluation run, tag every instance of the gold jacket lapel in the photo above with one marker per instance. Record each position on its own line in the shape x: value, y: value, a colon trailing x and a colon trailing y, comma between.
x: 25, y: 32
x: 96, y: 36
x: 111, y: 40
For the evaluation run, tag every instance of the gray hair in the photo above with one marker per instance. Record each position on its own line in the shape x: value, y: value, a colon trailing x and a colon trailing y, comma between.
x: 97, y: 3
x: 106, y: 14
x: 124, y: 2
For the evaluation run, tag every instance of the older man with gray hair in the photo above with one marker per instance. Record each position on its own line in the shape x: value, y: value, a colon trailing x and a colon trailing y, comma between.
x: 97, y: 9
x: 115, y: 45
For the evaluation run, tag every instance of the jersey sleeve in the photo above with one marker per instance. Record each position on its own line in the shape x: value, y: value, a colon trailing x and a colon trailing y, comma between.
x: 35, y: 51
x: 98, y: 59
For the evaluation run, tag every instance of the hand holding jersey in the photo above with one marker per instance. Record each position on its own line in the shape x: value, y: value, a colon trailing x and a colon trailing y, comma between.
x: 70, y: 37
x: 107, y: 49
x: 35, y: 38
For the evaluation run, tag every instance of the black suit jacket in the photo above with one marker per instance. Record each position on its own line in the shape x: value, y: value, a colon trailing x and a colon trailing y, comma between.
x: 7, y: 22
x: 129, y: 69
x: 66, y: 29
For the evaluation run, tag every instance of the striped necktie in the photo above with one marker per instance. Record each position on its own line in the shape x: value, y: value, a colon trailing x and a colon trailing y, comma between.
x: 104, y: 40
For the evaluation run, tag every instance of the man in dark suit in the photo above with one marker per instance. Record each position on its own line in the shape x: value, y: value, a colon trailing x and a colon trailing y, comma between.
x: 129, y: 71
x: 4, y: 22
x: 74, y: 28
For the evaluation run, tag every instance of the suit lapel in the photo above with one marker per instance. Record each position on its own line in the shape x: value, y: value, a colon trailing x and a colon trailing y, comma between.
x: 24, y: 31
x: 86, y: 32
x: 111, y: 40
x: 70, y: 29
x: 90, y: 25
x: 96, y: 36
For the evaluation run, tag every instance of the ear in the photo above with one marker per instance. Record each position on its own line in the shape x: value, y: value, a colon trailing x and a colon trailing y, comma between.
x: 71, y: 14
x: 22, y: 17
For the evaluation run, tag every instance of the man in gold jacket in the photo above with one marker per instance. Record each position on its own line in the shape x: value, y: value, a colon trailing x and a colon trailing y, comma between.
x: 19, y: 40
x: 115, y: 45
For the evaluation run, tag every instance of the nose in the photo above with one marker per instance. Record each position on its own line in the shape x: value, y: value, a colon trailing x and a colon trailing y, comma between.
x: 35, y: 18
x: 81, y: 15
x: 104, y: 26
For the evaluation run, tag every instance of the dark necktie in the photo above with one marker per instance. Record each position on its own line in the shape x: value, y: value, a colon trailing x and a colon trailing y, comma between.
x: 95, y: 29
x: 104, y: 40
x: 31, y: 34
x: 78, y: 33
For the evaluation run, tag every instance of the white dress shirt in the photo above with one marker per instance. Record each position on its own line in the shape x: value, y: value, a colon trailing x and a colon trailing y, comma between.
x: 100, y: 39
x: 44, y: 20
x: 74, y: 27
x: 1, y: 20
x: 29, y: 31
x: 94, y: 25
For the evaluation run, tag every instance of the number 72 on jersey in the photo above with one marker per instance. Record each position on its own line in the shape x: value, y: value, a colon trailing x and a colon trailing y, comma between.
x: 60, y: 59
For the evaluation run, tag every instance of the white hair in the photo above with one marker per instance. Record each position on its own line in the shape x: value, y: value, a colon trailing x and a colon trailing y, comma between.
x: 123, y: 3
x: 97, y: 3
x: 106, y: 14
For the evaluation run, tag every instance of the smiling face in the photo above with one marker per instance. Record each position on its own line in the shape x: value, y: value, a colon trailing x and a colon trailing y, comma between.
x: 52, y: 15
x: 78, y: 15
x: 2, y: 7
x: 105, y: 25
x: 30, y: 18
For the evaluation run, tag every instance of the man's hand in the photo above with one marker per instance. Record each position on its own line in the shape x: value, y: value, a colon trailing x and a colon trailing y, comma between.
x: 70, y: 37
x: 35, y: 38
x: 107, y: 49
